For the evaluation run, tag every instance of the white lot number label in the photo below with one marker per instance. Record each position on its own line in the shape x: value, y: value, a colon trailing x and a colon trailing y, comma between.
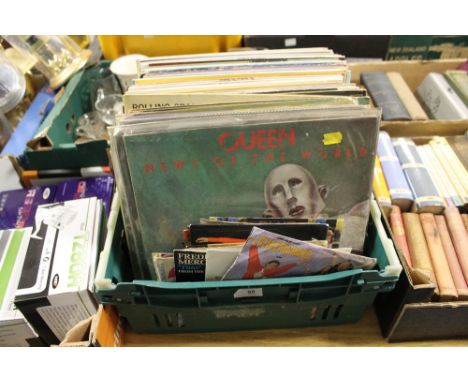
x: 248, y: 292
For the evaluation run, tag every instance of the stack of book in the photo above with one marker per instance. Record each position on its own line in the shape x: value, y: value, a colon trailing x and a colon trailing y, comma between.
x: 274, y: 135
x: 439, y: 96
x: 424, y: 191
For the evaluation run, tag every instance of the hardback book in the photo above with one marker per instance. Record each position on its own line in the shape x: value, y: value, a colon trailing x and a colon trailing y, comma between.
x: 439, y: 99
x: 406, y: 95
x: 459, y: 237
x: 417, y: 245
x: 384, y: 95
x: 276, y: 161
x: 446, y: 286
x: 380, y: 188
x: 398, y: 230
x: 440, y: 176
x: 427, y: 198
x: 452, y: 165
x: 452, y: 259
x: 400, y: 192
x: 458, y: 80
x: 459, y: 145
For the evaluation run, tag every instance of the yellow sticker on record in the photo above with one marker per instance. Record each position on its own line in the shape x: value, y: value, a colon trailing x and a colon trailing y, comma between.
x: 332, y: 138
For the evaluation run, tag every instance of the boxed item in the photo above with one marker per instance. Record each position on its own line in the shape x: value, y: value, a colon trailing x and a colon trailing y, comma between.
x: 14, y: 328
x: 55, y: 287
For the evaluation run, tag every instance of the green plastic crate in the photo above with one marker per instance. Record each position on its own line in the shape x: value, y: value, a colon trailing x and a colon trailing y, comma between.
x: 54, y: 143
x: 164, y: 307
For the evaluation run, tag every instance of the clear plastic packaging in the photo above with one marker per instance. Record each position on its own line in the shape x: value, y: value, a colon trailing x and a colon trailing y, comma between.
x: 58, y: 57
x: 12, y: 85
x: 172, y: 172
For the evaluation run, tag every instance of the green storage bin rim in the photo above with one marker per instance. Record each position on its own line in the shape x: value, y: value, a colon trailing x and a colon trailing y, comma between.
x: 111, y: 274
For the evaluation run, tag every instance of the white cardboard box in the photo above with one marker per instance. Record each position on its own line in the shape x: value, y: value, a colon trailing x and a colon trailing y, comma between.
x: 14, y: 329
x: 55, y: 288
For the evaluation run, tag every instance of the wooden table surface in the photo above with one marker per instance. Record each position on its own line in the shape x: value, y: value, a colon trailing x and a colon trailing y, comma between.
x: 366, y: 332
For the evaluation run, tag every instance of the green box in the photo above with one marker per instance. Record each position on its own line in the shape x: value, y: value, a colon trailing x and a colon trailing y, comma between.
x: 54, y: 146
x: 165, y: 307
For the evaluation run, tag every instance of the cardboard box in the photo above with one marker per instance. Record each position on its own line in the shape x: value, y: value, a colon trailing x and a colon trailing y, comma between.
x: 414, y: 73
x: 407, y: 313
x: 14, y: 328
x: 55, y: 288
x: 103, y: 329
x: 53, y: 146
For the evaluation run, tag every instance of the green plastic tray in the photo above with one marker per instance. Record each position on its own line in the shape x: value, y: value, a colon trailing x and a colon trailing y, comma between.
x: 164, y: 307
x: 55, y: 139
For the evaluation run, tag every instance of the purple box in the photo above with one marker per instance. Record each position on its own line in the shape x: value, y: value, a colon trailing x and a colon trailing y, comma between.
x: 18, y: 207
x: 101, y: 186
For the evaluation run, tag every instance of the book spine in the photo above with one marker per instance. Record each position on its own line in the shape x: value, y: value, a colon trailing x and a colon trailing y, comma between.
x: 446, y: 286
x: 418, y: 249
x: 452, y: 260
x: 380, y: 187
x: 458, y: 80
x: 398, y: 188
x: 439, y: 187
x: 444, y: 183
x: 407, y: 97
x: 445, y: 150
x: 384, y: 95
x: 465, y: 220
x: 427, y: 198
x: 398, y: 230
x: 459, y: 237
x: 439, y: 100
x: 451, y: 176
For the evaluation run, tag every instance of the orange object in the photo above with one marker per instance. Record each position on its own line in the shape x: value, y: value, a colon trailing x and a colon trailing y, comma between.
x: 398, y: 230
x: 447, y: 289
x: 223, y: 240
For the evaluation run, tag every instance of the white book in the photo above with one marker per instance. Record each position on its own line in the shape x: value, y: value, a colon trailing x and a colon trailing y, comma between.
x: 439, y: 99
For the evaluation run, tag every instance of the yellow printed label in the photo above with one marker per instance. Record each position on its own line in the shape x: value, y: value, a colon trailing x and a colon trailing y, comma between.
x: 332, y: 138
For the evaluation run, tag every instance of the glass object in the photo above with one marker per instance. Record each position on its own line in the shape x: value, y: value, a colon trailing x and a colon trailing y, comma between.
x: 109, y: 107
x: 4, y: 131
x: 90, y: 126
x: 57, y: 57
x: 12, y: 85
x: 106, y: 83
